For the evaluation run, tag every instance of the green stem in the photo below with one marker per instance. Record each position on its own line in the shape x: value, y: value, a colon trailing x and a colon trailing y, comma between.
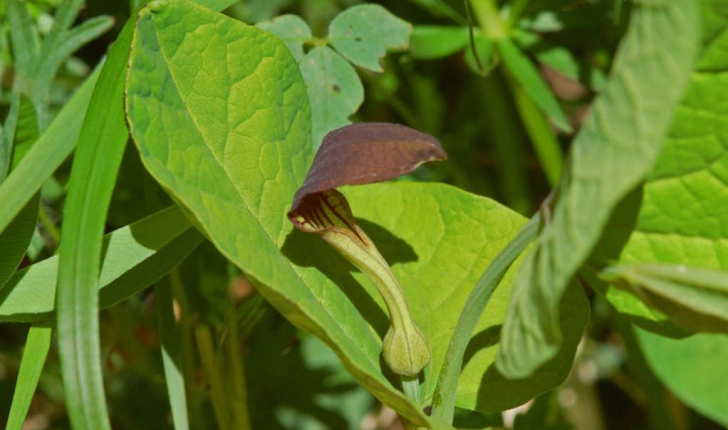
x: 50, y: 227
x: 539, y: 130
x: 209, y: 364
x: 443, y: 401
x: 239, y: 398
x: 411, y: 388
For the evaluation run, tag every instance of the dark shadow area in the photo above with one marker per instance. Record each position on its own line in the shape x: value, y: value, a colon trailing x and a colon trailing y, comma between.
x: 309, y: 250
x: 299, y: 375
x: 481, y: 340
x: 618, y: 230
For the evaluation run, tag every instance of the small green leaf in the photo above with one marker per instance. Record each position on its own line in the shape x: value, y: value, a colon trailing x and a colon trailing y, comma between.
x: 524, y: 71
x: 363, y: 33
x: 430, y: 42
x: 616, y: 147
x: 292, y: 30
x: 334, y: 90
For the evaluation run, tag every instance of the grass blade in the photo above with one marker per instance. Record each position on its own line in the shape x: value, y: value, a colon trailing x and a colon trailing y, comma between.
x: 171, y: 356
x: 31, y: 366
x: 134, y: 257
x: 53, y: 146
x: 95, y: 167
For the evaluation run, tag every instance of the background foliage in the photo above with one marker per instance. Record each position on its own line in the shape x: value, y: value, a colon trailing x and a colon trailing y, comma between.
x: 208, y: 303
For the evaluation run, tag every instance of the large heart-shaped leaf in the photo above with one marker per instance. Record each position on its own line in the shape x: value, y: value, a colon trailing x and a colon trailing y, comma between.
x: 230, y: 139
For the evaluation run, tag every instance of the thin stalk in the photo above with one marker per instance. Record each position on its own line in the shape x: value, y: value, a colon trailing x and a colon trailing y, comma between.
x: 411, y: 388
x: 508, y: 144
x: 49, y: 226
x: 239, y: 398
x: 544, y: 140
x: 209, y: 364
x: 443, y: 401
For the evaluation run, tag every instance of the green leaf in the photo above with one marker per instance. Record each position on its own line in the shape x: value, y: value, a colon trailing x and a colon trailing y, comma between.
x: 363, y: 33
x: 430, y: 42
x: 692, y: 368
x: 695, y: 297
x: 241, y: 200
x: 35, y: 352
x: 134, y: 257
x: 676, y: 218
x: 616, y: 147
x: 479, y: 55
x: 39, y: 163
x: 171, y: 353
x: 334, y: 90
x: 524, y: 71
x: 15, y: 239
x: 292, y: 30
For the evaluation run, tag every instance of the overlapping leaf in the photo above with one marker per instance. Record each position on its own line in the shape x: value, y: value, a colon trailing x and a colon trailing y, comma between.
x: 235, y: 148
x: 684, y: 208
x: 616, y: 147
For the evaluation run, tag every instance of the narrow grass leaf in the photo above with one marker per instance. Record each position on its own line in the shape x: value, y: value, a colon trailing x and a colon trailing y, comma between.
x: 95, y: 167
x: 35, y: 352
x: 171, y: 355
x: 53, y: 146
x: 14, y: 240
x: 616, y: 147
x: 134, y: 257
x: 525, y: 73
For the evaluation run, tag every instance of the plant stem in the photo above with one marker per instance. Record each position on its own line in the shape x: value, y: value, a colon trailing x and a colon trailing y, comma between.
x: 539, y: 130
x: 443, y: 401
x: 411, y: 388
x: 209, y: 364
x: 239, y: 396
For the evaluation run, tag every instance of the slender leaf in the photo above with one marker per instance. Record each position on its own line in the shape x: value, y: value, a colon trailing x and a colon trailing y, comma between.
x: 95, y: 166
x: 53, y: 55
x: 693, y: 296
x: 171, y: 354
x: 134, y: 257
x: 24, y: 41
x: 524, y: 71
x: 53, y: 146
x: 34, y: 356
x: 14, y: 240
x: 615, y: 149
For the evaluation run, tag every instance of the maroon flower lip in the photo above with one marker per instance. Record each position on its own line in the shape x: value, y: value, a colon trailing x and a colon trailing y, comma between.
x: 365, y: 153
